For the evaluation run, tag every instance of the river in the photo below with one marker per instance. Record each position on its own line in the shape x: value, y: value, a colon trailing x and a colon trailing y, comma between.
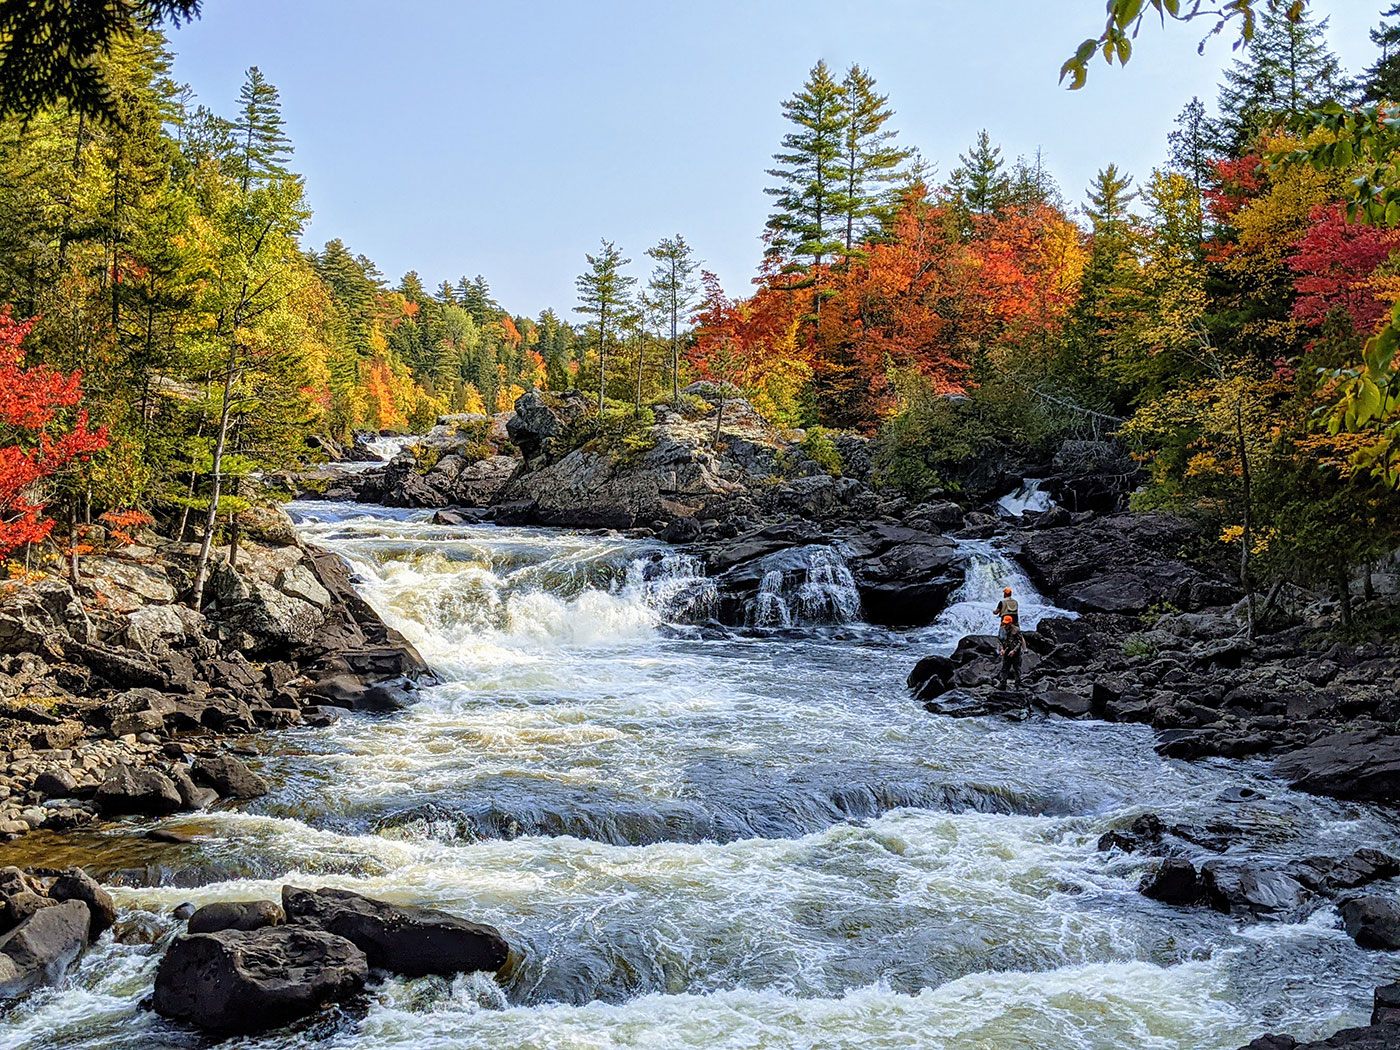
x: 739, y: 839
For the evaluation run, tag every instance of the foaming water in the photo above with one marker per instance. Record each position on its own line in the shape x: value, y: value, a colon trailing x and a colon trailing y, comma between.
x: 700, y: 837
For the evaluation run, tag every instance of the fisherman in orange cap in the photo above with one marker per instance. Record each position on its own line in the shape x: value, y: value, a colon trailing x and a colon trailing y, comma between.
x: 1008, y: 607
x: 1011, y: 643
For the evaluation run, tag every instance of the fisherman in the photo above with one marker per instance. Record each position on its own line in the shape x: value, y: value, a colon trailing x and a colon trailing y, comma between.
x: 1008, y: 607
x: 1011, y: 643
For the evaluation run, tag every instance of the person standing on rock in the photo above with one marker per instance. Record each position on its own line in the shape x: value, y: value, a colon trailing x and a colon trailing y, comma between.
x: 1009, y: 607
x: 1011, y: 643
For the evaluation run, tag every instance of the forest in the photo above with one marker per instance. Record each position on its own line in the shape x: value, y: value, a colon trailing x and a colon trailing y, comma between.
x: 169, y: 334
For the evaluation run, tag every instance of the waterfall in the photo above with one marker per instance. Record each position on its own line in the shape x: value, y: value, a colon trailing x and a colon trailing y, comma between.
x: 988, y: 572
x: 387, y: 446
x: 811, y: 586
x: 674, y: 586
x: 1030, y: 498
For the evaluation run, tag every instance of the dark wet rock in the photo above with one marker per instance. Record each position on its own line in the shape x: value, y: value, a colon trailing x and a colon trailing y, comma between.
x: 1175, y: 881
x: 353, y: 692
x: 241, y: 981
x: 183, y: 911
x: 932, y: 676
x: 77, y: 885
x: 1065, y: 702
x: 236, y: 915
x: 406, y: 940
x: 142, y: 791
x: 192, y: 796
x: 1375, y: 1037
x: 1244, y: 889
x: 228, y: 776
x: 42, y: 947
x: 1143, y: 836
x: 1330, y: 875
x: 1124, y: 563
x: 967, y: 703
x: 1361, y: 766
x: 1373, y: 921
x: 1387, y: 1005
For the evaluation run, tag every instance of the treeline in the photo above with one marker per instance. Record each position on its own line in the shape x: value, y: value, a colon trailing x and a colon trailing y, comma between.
x: 1205, y: 312
x: 159, y: 253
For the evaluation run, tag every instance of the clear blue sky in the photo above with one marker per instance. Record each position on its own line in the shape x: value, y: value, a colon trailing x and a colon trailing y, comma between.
x: 505, y: 138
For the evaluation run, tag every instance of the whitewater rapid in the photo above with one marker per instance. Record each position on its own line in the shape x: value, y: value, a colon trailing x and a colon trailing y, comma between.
x: 743, y: 838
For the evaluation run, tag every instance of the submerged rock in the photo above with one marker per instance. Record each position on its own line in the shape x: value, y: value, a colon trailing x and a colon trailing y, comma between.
x: 407, y: 940
x: 240, y: 981
x: 229, y: 777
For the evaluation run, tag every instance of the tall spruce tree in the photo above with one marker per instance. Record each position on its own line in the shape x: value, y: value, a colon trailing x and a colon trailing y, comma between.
x: 1382, y: 83
x: 810, y: 190
x: 870, y: 161
x: 1287, y: 69
x: 980, y: 184
x: 604, y: 293
x: 673, y: 290
x: 263, y: 148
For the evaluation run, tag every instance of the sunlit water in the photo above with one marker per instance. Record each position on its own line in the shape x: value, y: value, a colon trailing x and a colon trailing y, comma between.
x: 724, y: 838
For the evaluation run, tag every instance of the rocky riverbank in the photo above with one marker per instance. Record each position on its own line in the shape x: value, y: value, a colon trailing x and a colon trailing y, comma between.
x: 118, y: 699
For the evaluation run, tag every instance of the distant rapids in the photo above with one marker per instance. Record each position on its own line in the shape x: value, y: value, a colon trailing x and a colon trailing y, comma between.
x: 724, y: 837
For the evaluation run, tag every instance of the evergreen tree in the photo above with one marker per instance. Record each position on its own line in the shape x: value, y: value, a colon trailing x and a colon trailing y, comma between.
x: 263, y: 148
x: 604, y: 293
x: 1190, y: 150
x: 810, y: 193
x: 1031, y: 184
x: 869, y: 158
x: 673, y: 289
x: 1287, y: 69
x: 980, y: 184
x: 1382, y: 83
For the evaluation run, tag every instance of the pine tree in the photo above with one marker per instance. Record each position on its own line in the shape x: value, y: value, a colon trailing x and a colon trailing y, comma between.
x: 1382, y: 83
x: 980, y: 185
x: 869, y: 158
x: 810, y: 191
x: 263, y: 149
x: 1107, y: 208
x: 673, y: 290
x: 1287, y: 69
x: 604, y: 292
x: 1031, y: 184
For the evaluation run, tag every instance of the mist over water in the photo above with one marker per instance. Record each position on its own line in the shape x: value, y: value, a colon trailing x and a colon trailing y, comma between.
x: 695, y: 836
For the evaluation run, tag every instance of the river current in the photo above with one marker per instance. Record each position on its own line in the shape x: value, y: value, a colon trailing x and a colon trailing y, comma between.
x: 698, y: 837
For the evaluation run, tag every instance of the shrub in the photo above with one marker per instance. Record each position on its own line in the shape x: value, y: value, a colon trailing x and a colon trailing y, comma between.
x: 819, y: 448
x: 1137, y: 645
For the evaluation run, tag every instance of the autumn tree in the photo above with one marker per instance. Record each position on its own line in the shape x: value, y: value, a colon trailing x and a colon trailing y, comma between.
x: 38, y: 436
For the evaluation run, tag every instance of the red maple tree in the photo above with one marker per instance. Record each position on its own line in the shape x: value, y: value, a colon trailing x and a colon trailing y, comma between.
x: 36, y: 440
x: 1336, y: 264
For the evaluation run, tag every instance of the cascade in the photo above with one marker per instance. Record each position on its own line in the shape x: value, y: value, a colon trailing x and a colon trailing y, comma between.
x: 813, y: 587
x: 1030, y: 498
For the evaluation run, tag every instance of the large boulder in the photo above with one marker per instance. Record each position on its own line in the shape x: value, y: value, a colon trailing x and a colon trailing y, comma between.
x: 1350, y: 765
x: 541, y: 418
x: 77, y: 885
x: 1175, y: 881
x: 236, y: 915
x: 1373, y: 921
x: 479, y: 484
x: 1125, y: 563
x: 240, y: 981
x: 41, y: 948
x: 144, y: 791
x: 228, y: 776
x: 406, y: 940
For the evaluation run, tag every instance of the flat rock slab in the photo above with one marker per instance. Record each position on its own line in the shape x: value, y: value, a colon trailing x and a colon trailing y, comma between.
x: 239, y: 981
x: 411, y: 941
x: 1357, y: 766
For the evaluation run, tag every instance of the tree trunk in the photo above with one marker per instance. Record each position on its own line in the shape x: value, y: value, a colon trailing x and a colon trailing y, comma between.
x: 73, y: 574
x: 641, y: 350
x: 202, y: 569
x: 1245, y: 536
x: 1344, y: 596
x: 602, y: 358
x: 719, y: 417
x: 675, y: 357
x: 233, y: 540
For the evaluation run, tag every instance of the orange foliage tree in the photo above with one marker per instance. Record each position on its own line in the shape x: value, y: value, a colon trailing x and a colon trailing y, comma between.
x: 35, y: 440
